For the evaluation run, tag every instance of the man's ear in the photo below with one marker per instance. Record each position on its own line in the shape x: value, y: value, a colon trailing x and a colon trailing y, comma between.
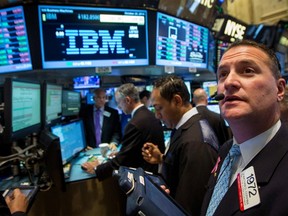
x: 281, y: 89
x: 178, y: 100
x: 128, y: 100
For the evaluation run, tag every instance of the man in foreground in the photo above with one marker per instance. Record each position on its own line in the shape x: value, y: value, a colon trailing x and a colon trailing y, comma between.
x: 251, y: 175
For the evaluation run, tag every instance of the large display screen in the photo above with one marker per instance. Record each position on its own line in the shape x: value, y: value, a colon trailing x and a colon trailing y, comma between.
x: 75, y: 37
x: 14, y: 46
x: 180, y: 43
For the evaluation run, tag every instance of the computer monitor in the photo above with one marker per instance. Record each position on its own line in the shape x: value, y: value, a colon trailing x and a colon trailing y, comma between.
x: 214, y: 107
x: 72, y: 139
x: 52, y: 103
x: 90, y: 98
x: 71, y: 103
x: 86, y: 82
x: 92, y: 37
x: 22, y: 114
x: 180, y: 43
x: 221, y: 48
x: 14, y: 43
x: 210, y: 88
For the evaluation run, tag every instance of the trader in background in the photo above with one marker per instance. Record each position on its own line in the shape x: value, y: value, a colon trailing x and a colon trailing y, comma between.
x: 145, y: 97
x: 143, y: 127
x: 192, y: 152
x: 102, y: 123
x: 252, y: 168
x: 200, y: 99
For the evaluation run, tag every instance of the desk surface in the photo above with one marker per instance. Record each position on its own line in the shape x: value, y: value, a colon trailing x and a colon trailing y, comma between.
x: 76, y: 172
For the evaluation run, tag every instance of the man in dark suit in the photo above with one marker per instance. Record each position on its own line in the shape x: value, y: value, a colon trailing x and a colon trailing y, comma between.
x: 191, y: 155
x: 143, y: 127
x: 109, y: 125
x: 250, y: 80
x: 215, y: 120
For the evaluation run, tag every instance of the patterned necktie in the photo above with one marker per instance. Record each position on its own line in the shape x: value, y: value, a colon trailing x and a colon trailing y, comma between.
x: 97, y: 126
x: 223, y: 180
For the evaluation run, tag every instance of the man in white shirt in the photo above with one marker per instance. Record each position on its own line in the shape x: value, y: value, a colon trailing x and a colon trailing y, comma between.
x: 191, y: 155
x: 249, y: 79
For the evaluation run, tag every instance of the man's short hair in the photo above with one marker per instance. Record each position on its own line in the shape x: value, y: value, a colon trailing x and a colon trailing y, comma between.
x: 273, y: 60
x: 144, y: 93
x: 171, y: 85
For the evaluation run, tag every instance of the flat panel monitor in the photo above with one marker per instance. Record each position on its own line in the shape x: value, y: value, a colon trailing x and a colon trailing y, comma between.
x: 210, y: 88
x: 52, y: 99
x: 71, y: 103
x: 214, y: 107
x: 89, y: 98
x: 180, y: 43
x: 201, y: 12
x: 22, y: 108
x: 72, y: 139
x: 85, y: 82
x: 92, y: 37
x: 14, y: 46
x: 221, y: 48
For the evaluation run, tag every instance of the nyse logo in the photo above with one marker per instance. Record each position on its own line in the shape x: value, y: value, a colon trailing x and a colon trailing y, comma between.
x: 234, y: 29
x: 89, y: 42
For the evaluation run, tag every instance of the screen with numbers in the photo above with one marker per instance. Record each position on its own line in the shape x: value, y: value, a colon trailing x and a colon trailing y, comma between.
x: 180, y: 43
x: 22, y: 108
x: 14, y: 46
x: 74, y: 37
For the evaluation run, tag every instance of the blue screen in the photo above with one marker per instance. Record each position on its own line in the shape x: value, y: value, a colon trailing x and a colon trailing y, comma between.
x: 85, y: 82
x: 72, y: 139
x: 92, y: 37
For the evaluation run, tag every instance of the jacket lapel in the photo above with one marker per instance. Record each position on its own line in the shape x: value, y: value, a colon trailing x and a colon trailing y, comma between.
x: 263, y: 168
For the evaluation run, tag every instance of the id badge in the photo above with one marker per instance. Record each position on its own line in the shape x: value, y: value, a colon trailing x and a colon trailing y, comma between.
x: 107, y: 114
x: 248, y: 192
